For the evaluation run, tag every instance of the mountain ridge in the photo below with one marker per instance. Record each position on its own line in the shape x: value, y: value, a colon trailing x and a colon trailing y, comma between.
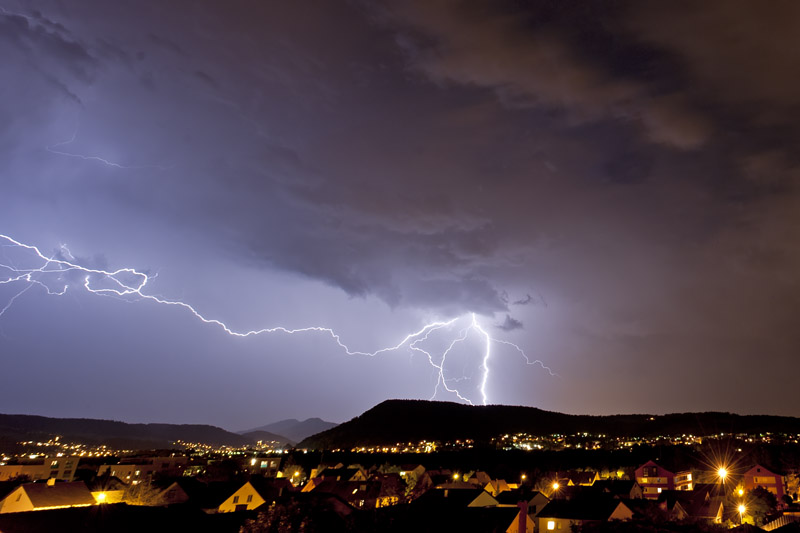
x: 100, y: 431
x: 294, y: 430
x: 417, y: 420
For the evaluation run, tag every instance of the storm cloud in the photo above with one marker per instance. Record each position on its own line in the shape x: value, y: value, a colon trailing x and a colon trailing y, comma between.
x: 377, y: 167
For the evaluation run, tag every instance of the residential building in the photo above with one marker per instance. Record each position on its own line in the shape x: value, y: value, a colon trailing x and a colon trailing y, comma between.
x: 49, y: 495
x: 758, y: 476
x: 61, y: 468
x: 654, y: 479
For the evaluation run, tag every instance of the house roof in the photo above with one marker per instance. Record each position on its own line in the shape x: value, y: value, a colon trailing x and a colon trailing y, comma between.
x: 581, y: 509
x: 582, y: 478
x: 642, y: 507
x: 271, y: 488
x: 106, y: 484
x: 458, y: 497
x: 342, y: 474
x: 761, y: 471
x: 59, y: 494
x: 615, y: 487
x: 515, y: 496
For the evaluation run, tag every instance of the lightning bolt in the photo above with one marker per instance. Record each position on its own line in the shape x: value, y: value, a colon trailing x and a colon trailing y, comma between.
x: 129, y: 284
x: 53, y: 150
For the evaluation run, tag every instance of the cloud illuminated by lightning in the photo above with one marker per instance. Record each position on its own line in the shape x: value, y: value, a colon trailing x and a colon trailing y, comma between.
x: 53, y: 273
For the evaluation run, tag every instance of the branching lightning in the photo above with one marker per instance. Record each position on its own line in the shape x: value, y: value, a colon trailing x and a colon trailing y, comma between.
x: 53, y: 273
x: 55, y: 149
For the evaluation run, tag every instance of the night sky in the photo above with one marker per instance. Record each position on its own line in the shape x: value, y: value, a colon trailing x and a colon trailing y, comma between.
x: 612, y: 186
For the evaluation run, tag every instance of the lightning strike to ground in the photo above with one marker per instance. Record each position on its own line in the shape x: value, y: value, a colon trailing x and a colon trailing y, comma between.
x: 130, y: 284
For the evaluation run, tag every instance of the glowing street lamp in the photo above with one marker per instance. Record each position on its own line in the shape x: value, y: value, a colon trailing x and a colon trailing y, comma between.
x: 722, y: 473
x: 742, y: 510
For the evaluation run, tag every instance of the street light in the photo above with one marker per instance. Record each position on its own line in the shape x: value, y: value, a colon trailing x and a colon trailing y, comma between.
x: 722, y: 473
x: 742, y: 510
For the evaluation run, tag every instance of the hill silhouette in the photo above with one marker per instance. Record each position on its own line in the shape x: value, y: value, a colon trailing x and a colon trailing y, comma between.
x: 394, y: 421
x: 113, y: 433
x: 293, y: 429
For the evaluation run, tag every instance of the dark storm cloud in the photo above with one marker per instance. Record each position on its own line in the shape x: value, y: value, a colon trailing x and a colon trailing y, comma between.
x: 485, y: 45
x: 634, y: 162
x: 510, y: 324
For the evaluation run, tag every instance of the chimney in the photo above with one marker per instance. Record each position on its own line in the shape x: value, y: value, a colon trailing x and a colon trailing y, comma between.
x: 523, y: 516
x: 51, y: 481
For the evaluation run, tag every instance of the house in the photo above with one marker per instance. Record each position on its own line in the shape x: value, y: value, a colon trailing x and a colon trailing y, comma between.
x: 534, y: 499
x: 562, y: 515
x: 358, y: 494
x: 246, y: 498
x: 758, y: 476
x: 496, y: 486
x: 142, y: 468
x: 343, y: 474
x: 705, y: 503
x: 522, y: 523
x: 654, y: 479
x: 621, y: 489
x: 61, y: 468
x: 684, y: 480
x: 586, y: 479
x: 392, y: 491
x: 255, y: 493
x: 50, y: 495
x: 107, y: 489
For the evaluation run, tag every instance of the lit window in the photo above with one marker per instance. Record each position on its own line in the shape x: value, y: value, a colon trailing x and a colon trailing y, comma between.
x: 659, y: 490
x: 551, y: 525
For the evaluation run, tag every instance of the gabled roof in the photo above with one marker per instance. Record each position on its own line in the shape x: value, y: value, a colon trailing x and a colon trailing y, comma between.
x: 582, y: 478
x: 642, y: 507
x: 512, y: 497
x: 58, y: 495
x: 453, y: 498
x: 581, y: 509
x: 615, y: 487
x: 669, y: 468
x: 106, y: 484
x: 761, y: 471
x: 271, y: 488
x: 697, y: 504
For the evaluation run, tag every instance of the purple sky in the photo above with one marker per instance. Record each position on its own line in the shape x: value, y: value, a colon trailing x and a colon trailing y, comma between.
x: 613, y: 187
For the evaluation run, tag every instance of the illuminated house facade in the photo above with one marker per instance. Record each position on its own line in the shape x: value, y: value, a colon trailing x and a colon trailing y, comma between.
x: 45, y: 496
x: 563, y: 515
x: 758, y: 476
x: 654, y: 479
x: 684, y: 480
x: 62, y: 468
x: 144, y: 468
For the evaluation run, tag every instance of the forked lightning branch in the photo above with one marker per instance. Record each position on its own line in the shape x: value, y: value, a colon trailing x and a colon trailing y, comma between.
x: 29, y: 268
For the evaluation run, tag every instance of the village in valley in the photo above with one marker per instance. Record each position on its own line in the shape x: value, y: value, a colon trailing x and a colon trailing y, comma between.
x: 513, y: 486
